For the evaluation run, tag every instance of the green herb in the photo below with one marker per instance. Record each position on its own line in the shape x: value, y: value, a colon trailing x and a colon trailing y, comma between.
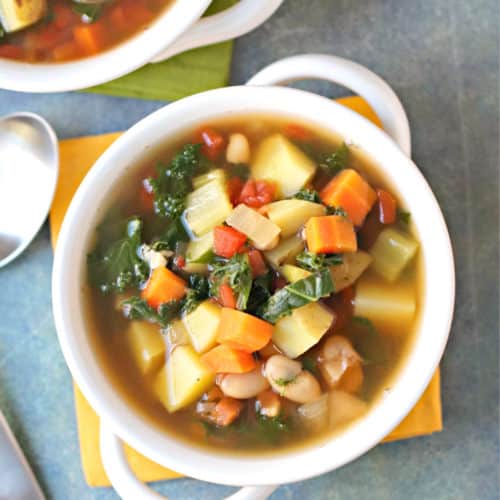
x: 283, y: 382
x: 308, y: 195
x: 272, y: 429
x: 260, y: 293
x: 90, y: 12
x: 336, y: 211
x: 309, y: 364
x: 235, y: 272
x: 174, y: 234
x: 136, y: 308
x: 118, y: 266
x: 298, y: 294
x: 368, y: 341
x: 335, y: 162
x: 404, y: 217
x: 317, y: 261
x: 198, y: 291
x: 2, y: 32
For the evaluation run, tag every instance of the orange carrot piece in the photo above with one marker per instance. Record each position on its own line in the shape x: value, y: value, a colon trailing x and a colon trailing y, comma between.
x: 163, y: 286
x: 225, y: 359
x: 90, y: 37
x: 330, y: 234
x: 386, y: 207
x: 227, y: 410
x: 243, y: 331
x: 348, y: 190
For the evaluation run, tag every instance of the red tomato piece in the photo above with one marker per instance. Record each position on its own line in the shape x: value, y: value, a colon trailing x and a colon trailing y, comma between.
x: 227, y: 241
x: 213, y: 143
x: 386, y: 207
x: 255, y: 194
x: 180, y: 261
x: 226, y: 296
x: 234, y: 187
x: 257, y: 263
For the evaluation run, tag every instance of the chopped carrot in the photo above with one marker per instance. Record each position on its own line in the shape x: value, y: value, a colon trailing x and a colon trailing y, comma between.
x: 348, y: 190
x: 243, y: 331
x: 66, y: 51
x: 386, y: 207
x: 330, y: 234
x: 226, y: 296
x: 227, y: 410
x: 213, y: 143
x: 90, y: 37
x: 257, y: 263
x: 163, y: 286
x: 228, y: 241
x: 225, y: 359
x: 352, y: 379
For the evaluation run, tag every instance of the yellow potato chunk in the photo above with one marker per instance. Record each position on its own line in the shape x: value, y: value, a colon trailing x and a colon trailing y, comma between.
x: 291, y: 215
x: 294, y: 273
x: 298, y: 332
x: 147, y: 345
x: 202, y: 324
x: 182, y: 380
x: 285, y: 252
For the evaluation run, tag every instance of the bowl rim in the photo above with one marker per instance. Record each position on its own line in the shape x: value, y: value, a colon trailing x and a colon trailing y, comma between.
x: 117, y: 61
x: 414, y: 375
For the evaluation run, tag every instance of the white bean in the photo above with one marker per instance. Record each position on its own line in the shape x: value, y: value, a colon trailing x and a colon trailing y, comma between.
x: 243, y: 385
x: 281, y: 370
x: 238, y: 149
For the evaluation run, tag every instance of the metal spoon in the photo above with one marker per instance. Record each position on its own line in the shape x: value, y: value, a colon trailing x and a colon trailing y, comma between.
x: 29, y: 166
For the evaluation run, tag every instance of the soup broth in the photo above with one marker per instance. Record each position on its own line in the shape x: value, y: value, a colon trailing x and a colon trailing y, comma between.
x: 71, y: 30
x: 267, y: 342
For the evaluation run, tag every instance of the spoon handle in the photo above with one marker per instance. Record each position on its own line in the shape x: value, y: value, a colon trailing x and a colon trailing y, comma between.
x: 17, y: 480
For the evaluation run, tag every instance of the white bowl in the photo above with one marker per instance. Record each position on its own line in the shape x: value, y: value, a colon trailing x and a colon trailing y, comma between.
x: 86, y: 211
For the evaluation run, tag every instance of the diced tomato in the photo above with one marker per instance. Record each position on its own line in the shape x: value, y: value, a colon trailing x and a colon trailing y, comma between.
x: 226, y: 296
x: 11, y: 51
x: 257, y: 263
x: 227, y: 241
x: 234, y: 187
x: 386, y: 207
x: 255, y: 194
x: 179, y: 261
x: 213, y: 143
x: 297, y: 132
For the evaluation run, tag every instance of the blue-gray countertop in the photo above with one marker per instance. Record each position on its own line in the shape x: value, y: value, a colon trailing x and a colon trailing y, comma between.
x: 442, y: 58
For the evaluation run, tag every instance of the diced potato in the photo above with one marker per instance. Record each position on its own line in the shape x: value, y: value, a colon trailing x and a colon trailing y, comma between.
x: 258, y: 228
x: 294, y: 273
x: 238, y: 149
x: 391, y: 307
x: 196, y: 268
x: 176, y: 334
x: 16, y: 15
x: 201, y: 249
x: 298, y: 332
x: 285, y: 252
x: 147, y: 345
x: 345, y: 408
x: 201, y: 180
x: 352, y: 267
x: 207, y: 207
x: 182, y: 380
x: 201, y: 325
x: 392, y: 252
x: 277, y: 159
x: 291, y: 215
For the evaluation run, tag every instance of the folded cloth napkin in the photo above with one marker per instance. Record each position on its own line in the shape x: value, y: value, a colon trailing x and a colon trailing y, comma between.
x: 76, y: 157
x: 186, y: 74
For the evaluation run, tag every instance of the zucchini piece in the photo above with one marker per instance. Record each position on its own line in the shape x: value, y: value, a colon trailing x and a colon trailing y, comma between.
x: 291, y: 215
x: 285, y: 252
x: 202, y: 324
x: 201, y: 250
x: 391, y: 307
x: 182, y: 380
x: 258, y: 228
x: 278, y: 160
x: 298, y: 332
x: 146, y: 345
x: 207, y: 207
x: 201, y: 180
x: 294, y: 273
x: 352, y: 267
x: 16, y: 15
x: 392, y: 252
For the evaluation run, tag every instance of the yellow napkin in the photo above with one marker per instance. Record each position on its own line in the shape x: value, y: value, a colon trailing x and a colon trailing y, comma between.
x: 77, y: 156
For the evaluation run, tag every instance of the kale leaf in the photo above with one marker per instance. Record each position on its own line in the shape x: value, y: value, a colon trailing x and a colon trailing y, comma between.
x: 308, y: 195
x: 117, y: 266
x: 317, y: 261
x: 197, y: 292
x: 235, y: 272
x: 298, y: 294
x: 174, y: 234
x: 334, y: 162
x: 138, y: 309
x: 336, y: 211
x: 90, y: 12
x: 260, y: 293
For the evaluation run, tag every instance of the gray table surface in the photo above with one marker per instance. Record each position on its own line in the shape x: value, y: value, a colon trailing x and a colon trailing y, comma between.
x: 442, y: 58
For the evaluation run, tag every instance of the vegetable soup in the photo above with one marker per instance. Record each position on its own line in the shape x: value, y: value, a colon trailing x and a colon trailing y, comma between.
x: 68, y: 29
x: 255, y: 287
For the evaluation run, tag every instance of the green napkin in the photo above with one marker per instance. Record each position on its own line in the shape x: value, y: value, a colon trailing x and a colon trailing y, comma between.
x: 186, y: 74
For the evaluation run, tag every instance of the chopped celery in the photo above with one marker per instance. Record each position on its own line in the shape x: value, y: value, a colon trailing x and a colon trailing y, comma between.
x: 352, y: 267
x: 201, y: 249
x: 201, y: 180
x: 207, y: 207
x: 285, y: 252
x: 392, y: 252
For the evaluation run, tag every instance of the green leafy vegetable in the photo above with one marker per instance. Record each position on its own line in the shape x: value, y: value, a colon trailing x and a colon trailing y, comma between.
x: 198, y: 291
x: 136, y: 308
x: 298, y: 294
x: 174, y: 234
x: 336, y: 161
x: 272, y: 429
x: 283, y: 382
x: 89, y: 11
x: 336, y: 211
x: 2, y: 32
x: 260, y: 293
x: 117, y: 266
x: 308, y: 195
x: 237, y: 273
x: 317, y: 261
x: 404, y: 217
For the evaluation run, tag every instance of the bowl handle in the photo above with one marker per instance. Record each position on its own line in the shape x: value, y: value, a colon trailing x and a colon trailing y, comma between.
x: 349, y: 74
x: 231, y: 23
x: 126, y: 484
